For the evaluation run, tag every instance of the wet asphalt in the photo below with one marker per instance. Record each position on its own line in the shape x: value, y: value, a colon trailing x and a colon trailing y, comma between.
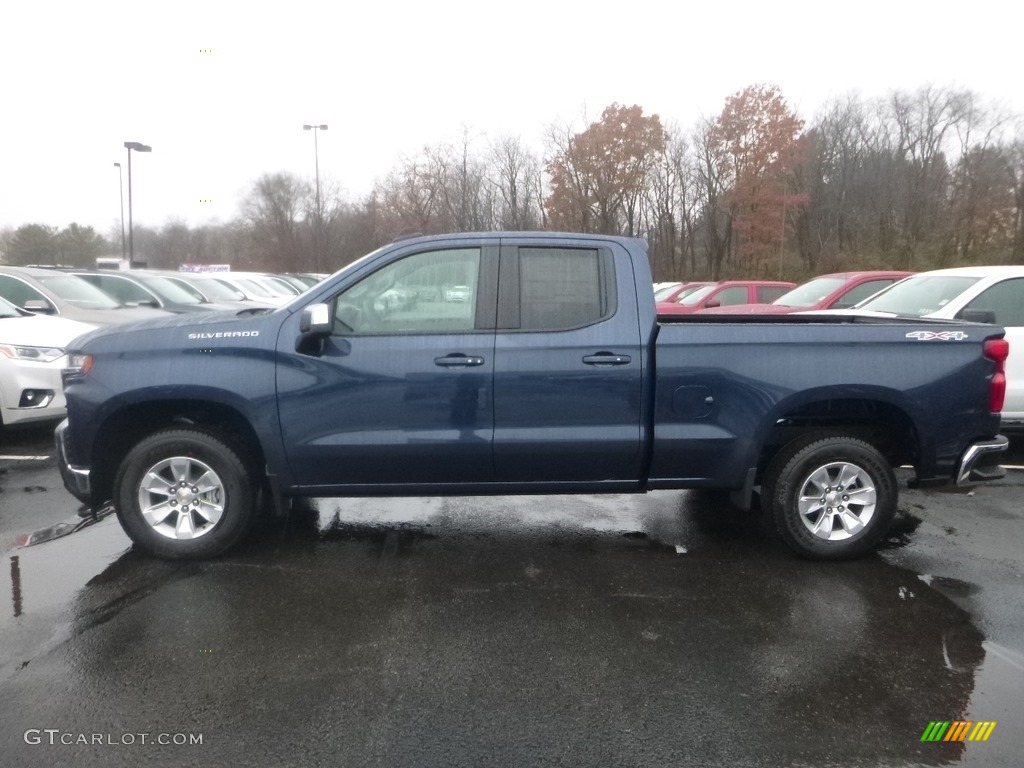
x: 655, y: 630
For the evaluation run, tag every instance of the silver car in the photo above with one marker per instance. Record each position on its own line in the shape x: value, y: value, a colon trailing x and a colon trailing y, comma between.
x: 49, y: 292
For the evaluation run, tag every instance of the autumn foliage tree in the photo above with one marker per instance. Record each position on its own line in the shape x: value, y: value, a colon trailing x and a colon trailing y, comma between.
x: 598, y: 177
x: 753, y: 142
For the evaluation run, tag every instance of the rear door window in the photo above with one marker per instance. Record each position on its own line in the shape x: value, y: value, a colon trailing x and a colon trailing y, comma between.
x: 1005, y: 299
x: 766, y: 294
x: 736, y: 294
x: 556, y: 289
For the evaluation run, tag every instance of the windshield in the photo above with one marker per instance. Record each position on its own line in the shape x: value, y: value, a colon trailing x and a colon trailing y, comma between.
x: 214, y: 290
x: 254, y: 288
x: 694, y: 298
x: 920, y: 295
x: 169, y: 290
x: 76, y: 291
x: 810, y: 293
x: 281, y: 285
x: 662, y: 293
x: 7, y: 309
x: 275, y: 288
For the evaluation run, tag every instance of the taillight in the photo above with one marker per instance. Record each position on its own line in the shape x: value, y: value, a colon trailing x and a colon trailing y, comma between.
x: 997, y: 350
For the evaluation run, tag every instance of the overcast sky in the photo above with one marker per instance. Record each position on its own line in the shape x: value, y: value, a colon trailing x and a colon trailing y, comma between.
x: 221, y: 90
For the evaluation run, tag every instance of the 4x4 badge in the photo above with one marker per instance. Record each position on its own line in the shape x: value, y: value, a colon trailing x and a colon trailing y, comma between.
x: 937, y: 335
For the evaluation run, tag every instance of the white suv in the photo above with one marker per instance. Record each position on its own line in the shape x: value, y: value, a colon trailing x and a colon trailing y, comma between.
x: 948, y: 293
x: 31, y: 358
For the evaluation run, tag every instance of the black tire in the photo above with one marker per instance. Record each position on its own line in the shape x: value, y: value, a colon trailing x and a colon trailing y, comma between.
x: 855, y: 510
x: 214, y: 487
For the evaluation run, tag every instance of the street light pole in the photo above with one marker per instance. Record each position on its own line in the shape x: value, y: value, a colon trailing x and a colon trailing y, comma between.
x: 120, y: 187
x: 130, y: 145
x: 319, y: 211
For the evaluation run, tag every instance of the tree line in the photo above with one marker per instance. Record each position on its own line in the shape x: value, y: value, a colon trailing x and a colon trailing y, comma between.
x: 915, y: 180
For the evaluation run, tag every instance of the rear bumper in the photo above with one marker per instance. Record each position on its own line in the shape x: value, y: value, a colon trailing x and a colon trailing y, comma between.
x: 981, y: 461
x: 76, y: 479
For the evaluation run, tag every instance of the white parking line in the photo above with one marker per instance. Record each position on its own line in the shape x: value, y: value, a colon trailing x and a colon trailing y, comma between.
x: 24, y: 458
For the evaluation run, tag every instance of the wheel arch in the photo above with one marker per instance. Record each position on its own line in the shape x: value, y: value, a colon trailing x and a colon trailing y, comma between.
x: 124, y: 427
x: 881, y: 417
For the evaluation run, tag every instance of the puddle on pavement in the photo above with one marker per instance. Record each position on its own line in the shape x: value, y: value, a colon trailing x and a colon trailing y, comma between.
x: 904, y: 525
x: 954, y: 588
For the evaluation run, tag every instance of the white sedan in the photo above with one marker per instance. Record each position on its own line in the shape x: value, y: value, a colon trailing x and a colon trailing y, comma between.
x: 31, y: 358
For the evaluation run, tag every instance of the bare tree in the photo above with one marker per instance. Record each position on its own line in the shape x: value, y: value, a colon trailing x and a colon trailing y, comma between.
x: 669, y: 215
x: 925, y: 121
x: 275, y: 212
x: 715, y: 222
x: 513, y: 169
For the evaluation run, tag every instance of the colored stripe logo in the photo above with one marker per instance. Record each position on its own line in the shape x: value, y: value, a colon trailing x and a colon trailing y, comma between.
x: 959, y: 730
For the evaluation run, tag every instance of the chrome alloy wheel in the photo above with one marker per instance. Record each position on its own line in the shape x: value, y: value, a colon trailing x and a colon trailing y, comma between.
x: 181, y: 498
x: 837, y: 501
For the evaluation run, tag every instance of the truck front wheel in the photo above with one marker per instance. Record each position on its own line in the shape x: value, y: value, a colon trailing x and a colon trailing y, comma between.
x: 832, y: 497
x: 183, y: 494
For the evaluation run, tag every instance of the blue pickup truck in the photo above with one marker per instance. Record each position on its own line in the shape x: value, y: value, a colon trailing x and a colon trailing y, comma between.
x: 508, y: 363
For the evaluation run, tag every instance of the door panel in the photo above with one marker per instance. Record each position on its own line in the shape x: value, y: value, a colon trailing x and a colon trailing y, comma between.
x: 381, y: 410
x: 403, y: 391
x: 568, y: 368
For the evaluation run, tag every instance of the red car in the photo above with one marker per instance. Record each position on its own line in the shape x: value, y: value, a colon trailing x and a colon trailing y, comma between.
x: 724, y: 294
x: 840, y: 290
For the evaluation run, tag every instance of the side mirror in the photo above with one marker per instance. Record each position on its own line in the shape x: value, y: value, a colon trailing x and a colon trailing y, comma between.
x: 315, y: 325
x: 712, y: 304
x: 39, y: 305
x: 979, y: 316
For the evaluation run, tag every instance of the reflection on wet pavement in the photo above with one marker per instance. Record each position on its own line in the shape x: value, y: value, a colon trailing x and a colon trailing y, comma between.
x: 655, y: 630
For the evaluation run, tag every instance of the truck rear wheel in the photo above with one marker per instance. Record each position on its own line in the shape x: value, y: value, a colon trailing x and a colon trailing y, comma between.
x: 833, y: 497
x: 184, y: 494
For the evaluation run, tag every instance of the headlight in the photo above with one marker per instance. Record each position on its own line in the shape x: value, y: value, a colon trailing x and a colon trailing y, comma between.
x: 78, y: 365
x: 38, y: 354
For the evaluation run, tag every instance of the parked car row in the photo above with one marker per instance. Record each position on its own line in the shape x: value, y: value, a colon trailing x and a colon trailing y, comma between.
x: 693, y: 297
x: 92, y: 296
x: 42, y: 310
x: 839, y: 290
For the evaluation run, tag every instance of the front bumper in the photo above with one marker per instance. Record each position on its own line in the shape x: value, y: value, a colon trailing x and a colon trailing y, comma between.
x: 76, y: 479
x: 981, y: 461
x: 30, y: 391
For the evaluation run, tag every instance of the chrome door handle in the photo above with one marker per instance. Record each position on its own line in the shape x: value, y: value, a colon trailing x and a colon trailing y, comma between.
x: 458, y: 361
x: 607, y: 358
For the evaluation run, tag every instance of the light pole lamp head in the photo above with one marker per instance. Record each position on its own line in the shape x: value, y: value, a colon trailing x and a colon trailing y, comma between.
x: 130, y: 145
x: 117, y: 164
x: 311, y: 127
